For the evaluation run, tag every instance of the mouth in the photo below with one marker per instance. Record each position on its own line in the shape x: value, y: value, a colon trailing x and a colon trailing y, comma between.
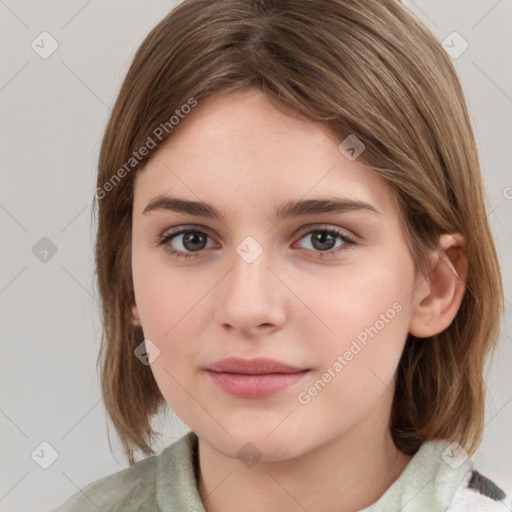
x: 254, y: 378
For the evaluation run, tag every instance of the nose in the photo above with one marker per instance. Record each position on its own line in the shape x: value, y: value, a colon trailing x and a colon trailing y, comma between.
x: 252, y: 299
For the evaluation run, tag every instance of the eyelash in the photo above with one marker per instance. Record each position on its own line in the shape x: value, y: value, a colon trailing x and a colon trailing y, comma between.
x: 349, y: 242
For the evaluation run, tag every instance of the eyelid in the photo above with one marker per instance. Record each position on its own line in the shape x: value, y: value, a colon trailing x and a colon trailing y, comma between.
x: 301, y: 233
x: 184, y: 227
x: 327, y: 227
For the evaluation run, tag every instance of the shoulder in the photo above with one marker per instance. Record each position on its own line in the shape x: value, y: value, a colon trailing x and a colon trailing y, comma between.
x: 152, y: 484
x: 125, y: 490
x: 477, y: 493
x: 441, y: 477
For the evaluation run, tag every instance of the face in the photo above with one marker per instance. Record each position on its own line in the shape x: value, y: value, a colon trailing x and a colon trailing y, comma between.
x: 325, y: 292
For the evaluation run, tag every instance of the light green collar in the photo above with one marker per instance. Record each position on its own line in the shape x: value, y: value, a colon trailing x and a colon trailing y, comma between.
x: 428, y: 482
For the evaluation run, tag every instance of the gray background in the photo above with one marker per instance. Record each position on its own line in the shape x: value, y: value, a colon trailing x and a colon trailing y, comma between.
x: 53, y: 112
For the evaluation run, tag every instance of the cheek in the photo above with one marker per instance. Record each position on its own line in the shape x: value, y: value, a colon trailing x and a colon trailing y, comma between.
x: 348, y: 301
x: 166, y: 298
x: 170, y: 309
x: 366, y: 312
x: 174, y: 315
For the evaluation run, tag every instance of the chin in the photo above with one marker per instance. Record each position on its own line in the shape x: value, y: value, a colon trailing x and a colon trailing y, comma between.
x: 255, y: 444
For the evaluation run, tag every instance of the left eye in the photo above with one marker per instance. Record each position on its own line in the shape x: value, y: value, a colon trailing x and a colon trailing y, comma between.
x: 324, y: 240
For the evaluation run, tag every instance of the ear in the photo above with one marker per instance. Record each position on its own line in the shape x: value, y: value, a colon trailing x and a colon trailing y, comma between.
x: 438, y: 296
x: 135, y: 316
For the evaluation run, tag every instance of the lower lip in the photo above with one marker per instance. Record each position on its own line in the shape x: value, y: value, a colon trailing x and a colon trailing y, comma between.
x: 255, y: 386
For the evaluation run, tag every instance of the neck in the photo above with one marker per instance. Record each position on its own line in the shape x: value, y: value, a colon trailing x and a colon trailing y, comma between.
x: 346, y: 474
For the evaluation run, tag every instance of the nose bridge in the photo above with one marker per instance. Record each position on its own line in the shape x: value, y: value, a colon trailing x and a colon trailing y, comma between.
x: 249, y: 268
x: 251, y: 294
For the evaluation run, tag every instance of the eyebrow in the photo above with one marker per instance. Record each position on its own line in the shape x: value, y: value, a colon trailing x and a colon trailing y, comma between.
x: 286, y: 210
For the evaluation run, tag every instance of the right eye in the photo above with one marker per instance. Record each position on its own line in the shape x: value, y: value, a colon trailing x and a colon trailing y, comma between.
x: 191, y: 240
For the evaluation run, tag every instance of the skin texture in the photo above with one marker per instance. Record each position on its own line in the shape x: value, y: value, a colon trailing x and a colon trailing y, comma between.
x: 243, y: 156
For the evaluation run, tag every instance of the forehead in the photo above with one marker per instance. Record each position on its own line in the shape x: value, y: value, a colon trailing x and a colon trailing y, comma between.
x: 239, y: 151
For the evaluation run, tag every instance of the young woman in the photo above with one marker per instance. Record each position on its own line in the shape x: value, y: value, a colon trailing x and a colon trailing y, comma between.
x: 293, y: 255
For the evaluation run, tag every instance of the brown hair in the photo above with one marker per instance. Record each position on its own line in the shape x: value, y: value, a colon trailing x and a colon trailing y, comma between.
x: 361, y: 67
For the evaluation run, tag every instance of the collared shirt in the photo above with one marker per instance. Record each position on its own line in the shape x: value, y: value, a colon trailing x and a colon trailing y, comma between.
x: 439, y: 478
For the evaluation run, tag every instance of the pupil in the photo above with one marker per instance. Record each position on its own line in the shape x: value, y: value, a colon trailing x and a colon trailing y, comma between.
x: 193, y: 239
x: 320, y: 236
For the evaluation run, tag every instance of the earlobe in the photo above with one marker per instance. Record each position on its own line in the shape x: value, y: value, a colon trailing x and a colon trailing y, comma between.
x: 437, y: 299
x: 135, y: 316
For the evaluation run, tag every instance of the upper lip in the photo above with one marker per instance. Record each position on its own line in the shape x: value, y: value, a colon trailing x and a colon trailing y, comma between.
x: 258, y: 366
